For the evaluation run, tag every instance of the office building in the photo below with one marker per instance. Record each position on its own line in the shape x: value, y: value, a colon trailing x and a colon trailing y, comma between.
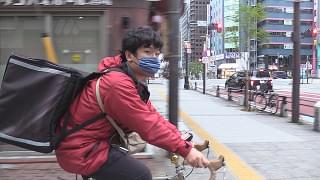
x: 194, y: 27
x: 277, y: 52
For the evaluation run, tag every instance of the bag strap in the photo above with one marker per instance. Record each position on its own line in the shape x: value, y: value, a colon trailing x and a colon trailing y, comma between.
x: 110, y: 119
x: 58, y: 139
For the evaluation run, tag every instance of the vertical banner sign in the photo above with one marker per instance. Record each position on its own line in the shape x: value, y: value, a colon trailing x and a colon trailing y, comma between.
x: 208, y: 37
x: 314, y: 45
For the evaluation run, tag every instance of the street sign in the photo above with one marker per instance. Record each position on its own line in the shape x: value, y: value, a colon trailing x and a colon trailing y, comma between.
x: 305, y: 66
x: 187, y: 44
x: 202, y: 23
x: 219, y: 57
x: 213, y: 67
x: 308, y: 65
x: 205, y: 59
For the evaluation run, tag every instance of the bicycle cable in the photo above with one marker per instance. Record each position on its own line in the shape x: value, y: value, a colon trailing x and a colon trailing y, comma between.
x: 183, y: 163
x: 190, y: 171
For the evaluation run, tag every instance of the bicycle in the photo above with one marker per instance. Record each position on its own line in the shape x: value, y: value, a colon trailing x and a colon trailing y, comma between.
x: 263, y: 100
x: 180, y: 170
x: 214, y: 165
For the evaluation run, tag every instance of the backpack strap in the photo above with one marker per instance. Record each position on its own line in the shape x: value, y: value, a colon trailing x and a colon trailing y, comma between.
x: 110, y: 119
x: 77, y: 128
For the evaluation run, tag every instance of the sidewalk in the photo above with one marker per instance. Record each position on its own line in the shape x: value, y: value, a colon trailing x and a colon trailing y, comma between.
x: 272, y: 146
x: 256, y: 145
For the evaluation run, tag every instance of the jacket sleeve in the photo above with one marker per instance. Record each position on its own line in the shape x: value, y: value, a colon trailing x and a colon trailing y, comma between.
x: 123, y: 103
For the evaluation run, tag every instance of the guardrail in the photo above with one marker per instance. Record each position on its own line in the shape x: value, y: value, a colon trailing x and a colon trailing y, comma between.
x: 232, y: 94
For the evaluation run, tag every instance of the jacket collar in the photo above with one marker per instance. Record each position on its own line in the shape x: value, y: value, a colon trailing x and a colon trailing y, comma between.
x: 141, y: 87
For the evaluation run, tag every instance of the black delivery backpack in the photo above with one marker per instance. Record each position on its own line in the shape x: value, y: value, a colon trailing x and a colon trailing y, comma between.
x: 34, y: 95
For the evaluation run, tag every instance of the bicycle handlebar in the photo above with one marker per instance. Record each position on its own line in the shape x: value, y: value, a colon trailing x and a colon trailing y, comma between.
x: 213, y: 166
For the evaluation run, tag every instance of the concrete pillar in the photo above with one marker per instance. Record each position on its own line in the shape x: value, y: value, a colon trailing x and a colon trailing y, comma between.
x: 316, y: 124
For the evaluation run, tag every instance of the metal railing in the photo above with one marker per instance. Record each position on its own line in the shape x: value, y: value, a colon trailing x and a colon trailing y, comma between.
x: 235, y: 94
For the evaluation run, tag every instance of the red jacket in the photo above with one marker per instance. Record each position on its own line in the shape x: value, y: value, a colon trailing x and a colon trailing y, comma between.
x: 85, y: 151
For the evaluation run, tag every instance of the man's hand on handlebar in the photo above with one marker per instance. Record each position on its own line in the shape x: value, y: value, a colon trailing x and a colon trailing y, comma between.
x: 196, y: 159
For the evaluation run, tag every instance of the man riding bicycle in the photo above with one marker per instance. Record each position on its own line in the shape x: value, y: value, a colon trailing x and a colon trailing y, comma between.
x: 88, y: 151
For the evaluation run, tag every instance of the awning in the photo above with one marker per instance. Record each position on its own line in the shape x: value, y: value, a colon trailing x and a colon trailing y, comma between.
x: 228, y: 66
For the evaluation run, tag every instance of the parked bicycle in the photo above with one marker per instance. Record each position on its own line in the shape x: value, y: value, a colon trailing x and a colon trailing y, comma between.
x: 269, y: 101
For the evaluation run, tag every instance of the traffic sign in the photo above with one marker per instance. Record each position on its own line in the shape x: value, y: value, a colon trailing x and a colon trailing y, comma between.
x: 308, y: 65
x: 205, y: 59
x: 202, y: 23
x: 187, y: 44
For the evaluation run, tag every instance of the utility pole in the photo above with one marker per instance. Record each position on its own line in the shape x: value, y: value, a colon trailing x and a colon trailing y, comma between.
x: 247, y: 85
x: 307, y: 69
x: 186, y: 77
x: 187, y: 49
x: 296, y: 63
x: 173, y: 56
x: 206, y: 46
x: 204, y: 69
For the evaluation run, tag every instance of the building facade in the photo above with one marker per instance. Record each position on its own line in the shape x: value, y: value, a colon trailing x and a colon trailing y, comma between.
x: 277, y: 53
x: 196, y: 28
x: 228, y: 49
x: 184, y: 22
x: 216, y: 39
x: 82, y: 31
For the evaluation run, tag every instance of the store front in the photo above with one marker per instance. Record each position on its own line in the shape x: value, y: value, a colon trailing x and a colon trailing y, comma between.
x: 73, y: 36
x: 82, y: 31
x: 227, y: 69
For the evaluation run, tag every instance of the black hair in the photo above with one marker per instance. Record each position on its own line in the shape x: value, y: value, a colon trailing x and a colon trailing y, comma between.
x: 140, y: 37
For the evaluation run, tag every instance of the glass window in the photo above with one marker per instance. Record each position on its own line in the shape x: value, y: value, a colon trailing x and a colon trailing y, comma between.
x: 77, y: 41
x: 21, y: 36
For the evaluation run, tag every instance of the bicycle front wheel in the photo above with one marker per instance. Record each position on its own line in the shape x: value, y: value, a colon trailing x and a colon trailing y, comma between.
x: 260, y: 102
x: 274, y: 103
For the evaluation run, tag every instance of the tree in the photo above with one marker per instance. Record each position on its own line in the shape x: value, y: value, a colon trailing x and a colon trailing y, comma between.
x: 195, y: 68
x: 246, y: 16
x: 249, y: 17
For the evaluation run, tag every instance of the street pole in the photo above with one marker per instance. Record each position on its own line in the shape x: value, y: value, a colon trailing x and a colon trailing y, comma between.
x: 307, y: 69
x: 186, y: 77
x: 247, y: 85
x: 204, y: 78
x: 173, y: 57
x: 246, y: 89
x: 206, y: 46
x: 296, y: 63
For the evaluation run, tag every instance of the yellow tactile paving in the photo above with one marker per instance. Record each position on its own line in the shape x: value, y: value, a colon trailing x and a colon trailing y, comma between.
x: 239, y: 168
